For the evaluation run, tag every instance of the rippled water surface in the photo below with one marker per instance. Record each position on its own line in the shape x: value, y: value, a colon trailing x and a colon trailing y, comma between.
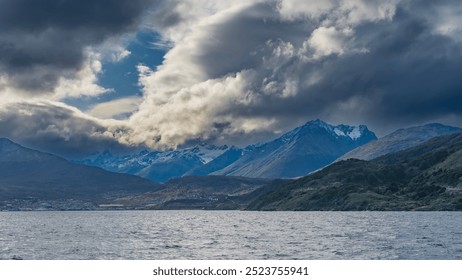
x: 230, y: 235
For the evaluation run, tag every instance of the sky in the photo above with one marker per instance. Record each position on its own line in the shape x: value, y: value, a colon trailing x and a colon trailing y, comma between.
x: 80, y: 77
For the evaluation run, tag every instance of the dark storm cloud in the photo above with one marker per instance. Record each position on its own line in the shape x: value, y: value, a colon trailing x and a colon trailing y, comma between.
x: 241, y: 43
x: 409, y: 74
x: 39, y: 39
x: 165, y: 15
x: 266, y: 67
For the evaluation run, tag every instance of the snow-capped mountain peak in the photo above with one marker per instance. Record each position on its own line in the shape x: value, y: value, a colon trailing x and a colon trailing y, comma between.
x: 299, y: 151
x: 341, y: 130
x: 354, y: 132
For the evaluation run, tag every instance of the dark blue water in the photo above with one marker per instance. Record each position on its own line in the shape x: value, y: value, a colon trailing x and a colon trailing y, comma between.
x: 230, y: 235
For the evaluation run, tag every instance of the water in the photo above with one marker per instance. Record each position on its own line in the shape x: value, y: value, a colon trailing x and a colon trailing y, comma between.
x: 230, y: 235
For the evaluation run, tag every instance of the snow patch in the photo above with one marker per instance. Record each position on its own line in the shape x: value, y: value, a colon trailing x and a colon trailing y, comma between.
x: 355, y: 133
x: 207, y: 153
x: 339, y: 132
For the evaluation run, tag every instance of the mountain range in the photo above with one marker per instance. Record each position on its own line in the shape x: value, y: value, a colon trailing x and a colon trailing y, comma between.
x: 295, y: 153
x: 158, y: 166
x: 424, y: 176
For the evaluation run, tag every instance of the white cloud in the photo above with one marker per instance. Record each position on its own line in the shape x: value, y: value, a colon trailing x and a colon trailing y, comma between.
x: 114, y: 49
x: 325, y: 41
x: 82, y: 83
x: 448, y: 21
x: 345, y: 12
x: 120, y: 55
x: 357, y: 11
x: 296, y: 10
x: 200, y: 111
x: 120, y: 108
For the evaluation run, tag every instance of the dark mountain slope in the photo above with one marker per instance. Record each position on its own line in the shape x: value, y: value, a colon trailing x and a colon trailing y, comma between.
x: 426, y: 177
x: 400, y: 140
x: 221, y: 162
x: 28, y: 174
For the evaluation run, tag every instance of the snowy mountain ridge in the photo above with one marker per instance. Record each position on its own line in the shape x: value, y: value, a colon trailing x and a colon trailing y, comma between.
x: 294, y: 153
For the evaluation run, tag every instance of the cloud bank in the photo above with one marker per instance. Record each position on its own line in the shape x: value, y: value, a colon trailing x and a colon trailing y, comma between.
x: 240, y: 71
x: 57, y: 128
